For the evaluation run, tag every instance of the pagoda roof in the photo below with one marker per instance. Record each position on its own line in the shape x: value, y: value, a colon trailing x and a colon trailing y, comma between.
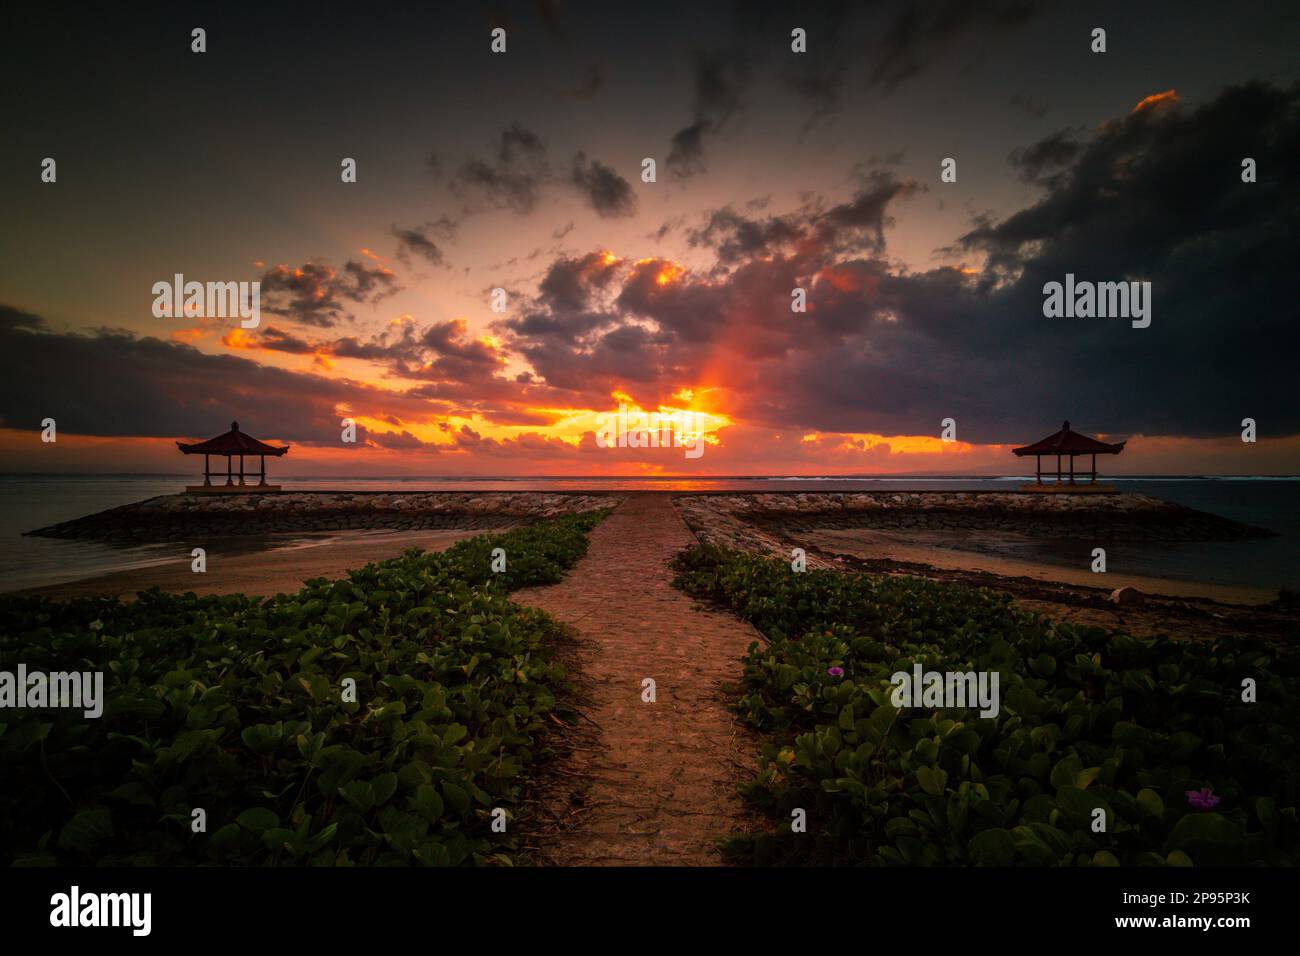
x: 1068, y: 442
x: 233, y: 442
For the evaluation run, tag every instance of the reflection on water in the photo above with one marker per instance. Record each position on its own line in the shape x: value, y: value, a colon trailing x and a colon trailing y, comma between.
x: 28, y: 502
x: 1268, y: 564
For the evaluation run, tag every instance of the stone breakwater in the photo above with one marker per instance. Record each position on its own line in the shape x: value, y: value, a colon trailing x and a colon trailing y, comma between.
x: 185, y: 517
x: 760, y: 522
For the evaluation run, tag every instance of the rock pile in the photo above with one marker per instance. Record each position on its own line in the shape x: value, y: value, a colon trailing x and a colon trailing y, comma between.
x: 187, y: 516
x: 744, y: 521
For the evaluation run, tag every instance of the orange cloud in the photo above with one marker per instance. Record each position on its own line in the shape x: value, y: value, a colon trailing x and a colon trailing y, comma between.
x: 890, y: 444
x: 237, y: 338
x: 668, y: 273
x: 1156, y: 99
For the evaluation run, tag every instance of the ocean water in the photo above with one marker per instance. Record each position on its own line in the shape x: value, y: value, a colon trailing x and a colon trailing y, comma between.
x: 35, y: 501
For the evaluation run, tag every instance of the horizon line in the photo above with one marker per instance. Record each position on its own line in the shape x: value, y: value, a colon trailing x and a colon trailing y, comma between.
x: 953, y: 476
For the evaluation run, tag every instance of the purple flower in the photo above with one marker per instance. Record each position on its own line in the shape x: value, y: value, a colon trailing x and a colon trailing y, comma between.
x: 1203, y: 799
x: 835, y: 671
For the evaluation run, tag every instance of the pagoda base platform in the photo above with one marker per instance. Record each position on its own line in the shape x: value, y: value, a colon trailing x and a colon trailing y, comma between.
x: 231, y: 489
x: 1065, y: 488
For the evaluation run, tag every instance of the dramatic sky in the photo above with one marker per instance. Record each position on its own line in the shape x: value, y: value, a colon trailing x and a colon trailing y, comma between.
x: 776, y: 170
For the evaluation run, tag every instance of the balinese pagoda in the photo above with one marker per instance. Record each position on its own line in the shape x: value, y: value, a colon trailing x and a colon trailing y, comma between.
x: 1067, y: 444
x: 232, y: 444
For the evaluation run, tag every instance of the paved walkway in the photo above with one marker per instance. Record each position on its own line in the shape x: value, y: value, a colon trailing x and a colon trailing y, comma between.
x: 657, y: 786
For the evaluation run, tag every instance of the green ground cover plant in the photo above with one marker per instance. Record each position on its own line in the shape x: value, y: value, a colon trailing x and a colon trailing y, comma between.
x: 1089, y: 719
x: 234, y: 705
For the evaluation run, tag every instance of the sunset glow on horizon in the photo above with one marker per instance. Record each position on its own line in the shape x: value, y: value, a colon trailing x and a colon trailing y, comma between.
x: 823, y: 269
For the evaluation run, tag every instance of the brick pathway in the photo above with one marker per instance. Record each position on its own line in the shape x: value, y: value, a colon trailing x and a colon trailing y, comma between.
x: 658, y: 784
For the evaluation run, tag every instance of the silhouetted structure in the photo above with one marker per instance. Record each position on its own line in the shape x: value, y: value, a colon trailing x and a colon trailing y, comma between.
x: 233, y: 443
x: 1066, y: 443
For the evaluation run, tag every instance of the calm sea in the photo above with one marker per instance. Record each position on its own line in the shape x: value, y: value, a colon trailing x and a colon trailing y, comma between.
x: 34, y: 501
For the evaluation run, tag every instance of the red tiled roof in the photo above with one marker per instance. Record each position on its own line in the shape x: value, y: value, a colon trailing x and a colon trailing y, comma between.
x: 233, y: 442
x: 1067, y: 442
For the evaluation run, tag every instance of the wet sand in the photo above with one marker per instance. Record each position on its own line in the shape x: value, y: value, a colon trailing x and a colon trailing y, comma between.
x: 1169, y: 608
x: 914, y: 548
x: 260, y: 572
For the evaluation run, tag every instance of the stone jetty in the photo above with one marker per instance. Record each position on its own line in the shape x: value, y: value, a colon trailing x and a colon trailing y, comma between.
x: 756, y: 521
x: 184, y: 517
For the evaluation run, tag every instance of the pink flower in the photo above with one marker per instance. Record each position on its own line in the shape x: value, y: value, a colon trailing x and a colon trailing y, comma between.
x: 1203, y: 799
x: 835, y: 671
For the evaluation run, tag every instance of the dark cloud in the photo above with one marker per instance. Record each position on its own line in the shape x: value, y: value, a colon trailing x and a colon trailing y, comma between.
x: 604, y: 190
x: 11, y: 318
x: 519, y: 172
x: 1029, y: 104
x: 400, y: 441
x: 441, y: 350
x: 665, y: 228
x: 537, y: 325
x: 1048, y: 155
x: 513, y: 179
x: 1153, y: 196
x: 897, y: 44
x: 419, y: 241
x: 686, y: 152
x: 920, y: 34
x: 111, y: 383
x: 734, y: 237
x: 857, y: 225
x: 462, y: 374
x: 368, y: 283
x: 570, y: 284
x: 278, y: 340
x: 315, y: 294
x: 860, y: 223
x: 449, y: 340
x: 720, y: 77
x: 115, y: 384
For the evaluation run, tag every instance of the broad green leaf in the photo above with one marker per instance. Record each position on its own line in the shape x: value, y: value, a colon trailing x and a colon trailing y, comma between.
x: 86, y: 829
x: 258, y: 819
x: 931, y: 779
x: 1149, y: 803
x: 994, y: 847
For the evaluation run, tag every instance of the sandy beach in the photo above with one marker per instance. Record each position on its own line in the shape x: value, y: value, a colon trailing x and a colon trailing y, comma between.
x: 936, y: 536
x: 260, y: 572
x: 977, y: 540
x: 914, y: 548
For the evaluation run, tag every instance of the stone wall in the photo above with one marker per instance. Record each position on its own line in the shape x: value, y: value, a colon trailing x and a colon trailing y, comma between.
x: 755, y: 522
x: 187, y: 516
